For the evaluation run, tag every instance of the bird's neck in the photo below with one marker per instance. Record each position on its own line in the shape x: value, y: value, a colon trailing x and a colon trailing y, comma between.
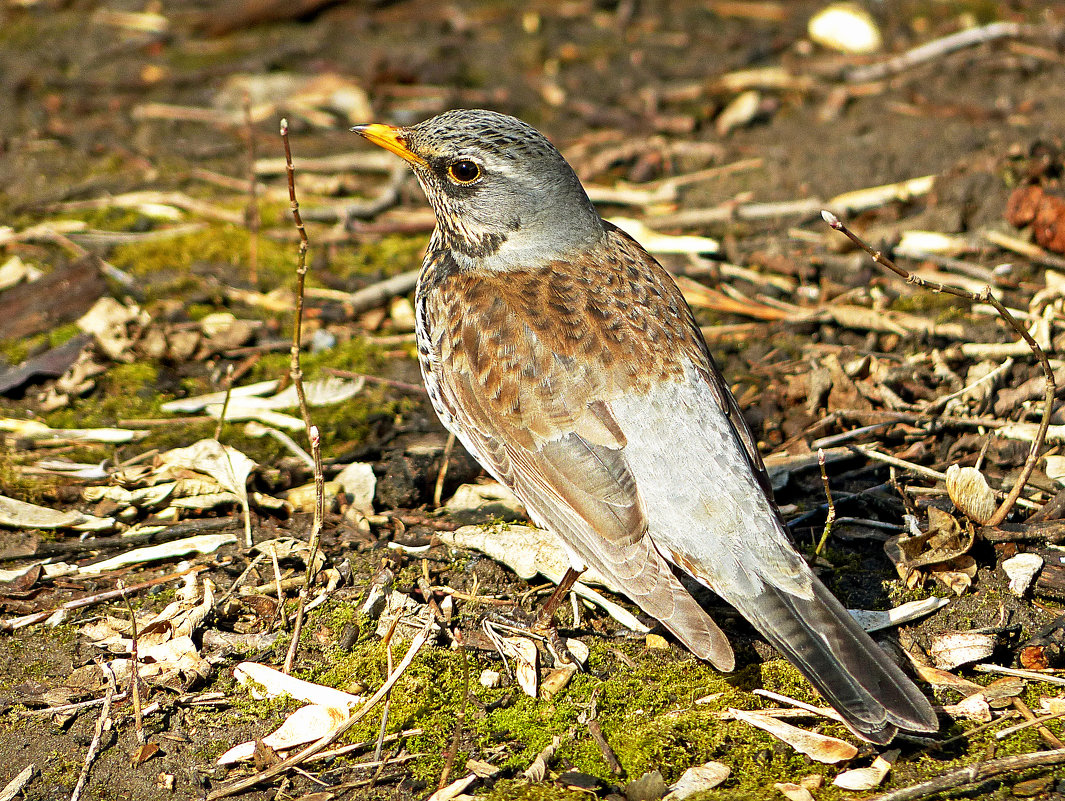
x: 526, y: 246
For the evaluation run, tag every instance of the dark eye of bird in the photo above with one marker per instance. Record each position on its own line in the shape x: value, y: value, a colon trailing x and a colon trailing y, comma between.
x: 464, y: 171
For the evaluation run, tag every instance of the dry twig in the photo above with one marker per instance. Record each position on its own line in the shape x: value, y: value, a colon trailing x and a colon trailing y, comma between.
x: 972, y: 774
x: 297, y: 379
x: 937, y: 48
x: 134, y: 670
x: 101, y: 722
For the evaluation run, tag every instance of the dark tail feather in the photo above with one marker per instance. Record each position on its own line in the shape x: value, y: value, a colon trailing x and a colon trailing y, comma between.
x: 834, y: 653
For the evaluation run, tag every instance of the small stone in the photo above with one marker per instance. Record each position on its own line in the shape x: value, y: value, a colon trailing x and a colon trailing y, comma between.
x: 657, y: 642
x: 322, y: 340
x: 1020, y: 570
x: 491, y: 678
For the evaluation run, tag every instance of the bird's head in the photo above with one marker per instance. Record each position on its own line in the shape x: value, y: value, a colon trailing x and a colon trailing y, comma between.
x: 503, y: 195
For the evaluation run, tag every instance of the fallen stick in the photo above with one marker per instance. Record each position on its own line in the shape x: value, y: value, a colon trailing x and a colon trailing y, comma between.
x: 971, y: 774
x: 383, y: 291
x: 937, y: 48
x: 94, y: 746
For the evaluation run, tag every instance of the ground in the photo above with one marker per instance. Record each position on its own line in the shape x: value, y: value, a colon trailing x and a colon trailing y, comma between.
x: 101, y: 104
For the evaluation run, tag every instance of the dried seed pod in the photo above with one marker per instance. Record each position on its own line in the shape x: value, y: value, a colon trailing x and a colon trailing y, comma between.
x: 969, y: 491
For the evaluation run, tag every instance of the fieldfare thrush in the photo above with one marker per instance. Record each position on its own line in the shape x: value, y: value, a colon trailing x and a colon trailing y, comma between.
x: 564, y: 358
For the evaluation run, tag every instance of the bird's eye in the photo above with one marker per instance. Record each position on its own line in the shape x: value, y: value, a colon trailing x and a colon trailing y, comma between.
x: 464, y: 171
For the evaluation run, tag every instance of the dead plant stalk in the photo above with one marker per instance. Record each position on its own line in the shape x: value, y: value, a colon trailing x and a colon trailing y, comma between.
x: 297, y: 379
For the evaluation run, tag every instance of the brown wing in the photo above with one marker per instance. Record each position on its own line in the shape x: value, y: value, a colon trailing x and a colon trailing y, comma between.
x: 524, y: 365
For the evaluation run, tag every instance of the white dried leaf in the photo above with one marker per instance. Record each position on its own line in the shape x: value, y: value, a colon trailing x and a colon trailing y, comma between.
x: 205, y: 501
x: 454, y: 791
x: 108, y: 322
x: 142, y: 497
x: 874, y: 620
x: 488, y: 501
x: 961, y: 648
x: 15, y: 270
x: 1055, y: 467
x: 39, y: 432
x: 969, y: 491
x: 697, y: 779
x: 198, y: 403
x: 794, y: 792
x: 202, y: 543
x: 973, y: 707
x: 870, y: 777
x: 305, y: 725
x: 578, y: 650
x: 919, y: 244
x: 1052, y: 705
x: 401, y: 313
x: 529, y: 551
x: 225, y: 464
x: 739, y: 112
x: 19, y: 514
x: 304, y: 498
x: 526, y: 658
x: 1021, y: 570
x: 266, y: 682
x: 818, y: 747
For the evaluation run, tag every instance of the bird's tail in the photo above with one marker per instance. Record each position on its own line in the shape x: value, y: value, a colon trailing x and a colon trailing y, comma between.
x: 834, y: 653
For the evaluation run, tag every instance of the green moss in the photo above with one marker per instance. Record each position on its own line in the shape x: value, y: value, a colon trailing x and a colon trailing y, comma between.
x: 125, y: 390
x: 389, y: 255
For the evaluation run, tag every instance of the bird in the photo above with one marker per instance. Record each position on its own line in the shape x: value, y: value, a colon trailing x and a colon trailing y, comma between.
x: 566, y: 361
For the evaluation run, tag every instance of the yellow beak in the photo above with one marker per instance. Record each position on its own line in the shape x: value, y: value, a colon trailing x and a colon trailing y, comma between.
x: 390, y: 138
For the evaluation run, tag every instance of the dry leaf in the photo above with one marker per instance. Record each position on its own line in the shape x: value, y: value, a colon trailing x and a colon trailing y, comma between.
x: 202, y: 543
x: 816, y: 746
x: 961, y: 648
x: 794, y: 792
x: 143, y: 754
x: 38, y: 432
x: 870, y: 777
x: 453, y: 790
x: 974, y: 707
x: 226, y: 465
x: 305, y: 725
x: 526, y: 659
x: 266, y: 682
x: 872, y: 620
x: 655, y: 242
x: 19, y: 514
x: 697, y: 779
x: 529, y: 551
x: 846, y: 28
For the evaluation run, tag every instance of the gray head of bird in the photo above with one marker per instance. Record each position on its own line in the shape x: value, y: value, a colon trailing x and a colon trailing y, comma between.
x: 503, y: 196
